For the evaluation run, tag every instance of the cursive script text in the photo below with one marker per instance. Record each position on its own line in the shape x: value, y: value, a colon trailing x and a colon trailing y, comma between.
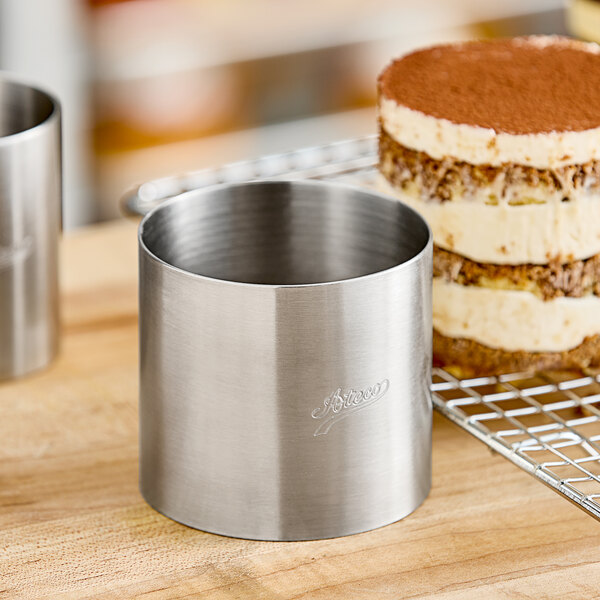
x: 341, y: 403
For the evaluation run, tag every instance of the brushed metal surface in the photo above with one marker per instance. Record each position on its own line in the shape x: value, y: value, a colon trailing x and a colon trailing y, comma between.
x: 285, y: 360
x: 30, y: 217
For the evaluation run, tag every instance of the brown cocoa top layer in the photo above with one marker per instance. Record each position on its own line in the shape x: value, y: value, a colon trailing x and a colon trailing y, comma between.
x: 518, y: 86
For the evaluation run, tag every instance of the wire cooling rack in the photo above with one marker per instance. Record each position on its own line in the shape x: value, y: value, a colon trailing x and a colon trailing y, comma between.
x: 548, y: 424
x: 351, y: 161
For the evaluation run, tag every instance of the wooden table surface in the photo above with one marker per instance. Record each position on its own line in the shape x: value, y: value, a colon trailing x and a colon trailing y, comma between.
x: 73, y: 524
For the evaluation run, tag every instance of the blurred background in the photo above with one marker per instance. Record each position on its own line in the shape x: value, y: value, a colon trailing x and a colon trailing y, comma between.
x: 157, y: 87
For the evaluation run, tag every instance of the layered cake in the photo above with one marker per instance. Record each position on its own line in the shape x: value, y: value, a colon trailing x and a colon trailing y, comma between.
x: 497, y: 144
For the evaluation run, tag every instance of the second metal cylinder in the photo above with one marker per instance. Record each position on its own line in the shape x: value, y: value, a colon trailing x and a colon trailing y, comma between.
x: 30, y: 218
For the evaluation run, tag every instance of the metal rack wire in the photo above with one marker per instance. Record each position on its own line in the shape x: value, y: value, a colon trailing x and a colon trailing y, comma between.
x: 352, y: 161
x: 548, y: 424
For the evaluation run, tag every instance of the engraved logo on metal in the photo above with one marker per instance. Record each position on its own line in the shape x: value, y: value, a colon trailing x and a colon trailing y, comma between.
x: 340, y: 404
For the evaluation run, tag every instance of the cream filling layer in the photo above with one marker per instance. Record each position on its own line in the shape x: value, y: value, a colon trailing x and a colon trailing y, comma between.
x: 507, y: 234
x: 479, y: 146
x: 513, y: 320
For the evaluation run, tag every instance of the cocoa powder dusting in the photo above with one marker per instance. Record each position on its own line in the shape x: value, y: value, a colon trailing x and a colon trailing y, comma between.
x: 516, y: 86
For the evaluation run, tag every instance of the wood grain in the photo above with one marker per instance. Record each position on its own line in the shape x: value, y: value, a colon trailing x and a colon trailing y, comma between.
x: 73, y: 525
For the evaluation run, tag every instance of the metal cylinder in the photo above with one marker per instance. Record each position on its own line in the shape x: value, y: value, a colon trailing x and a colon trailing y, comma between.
x: 30, y: 220
x: 285, y: 358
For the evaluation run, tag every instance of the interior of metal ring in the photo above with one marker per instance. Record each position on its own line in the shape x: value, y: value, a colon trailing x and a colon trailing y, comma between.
x: 22, y: 107
x: 284, y: 233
